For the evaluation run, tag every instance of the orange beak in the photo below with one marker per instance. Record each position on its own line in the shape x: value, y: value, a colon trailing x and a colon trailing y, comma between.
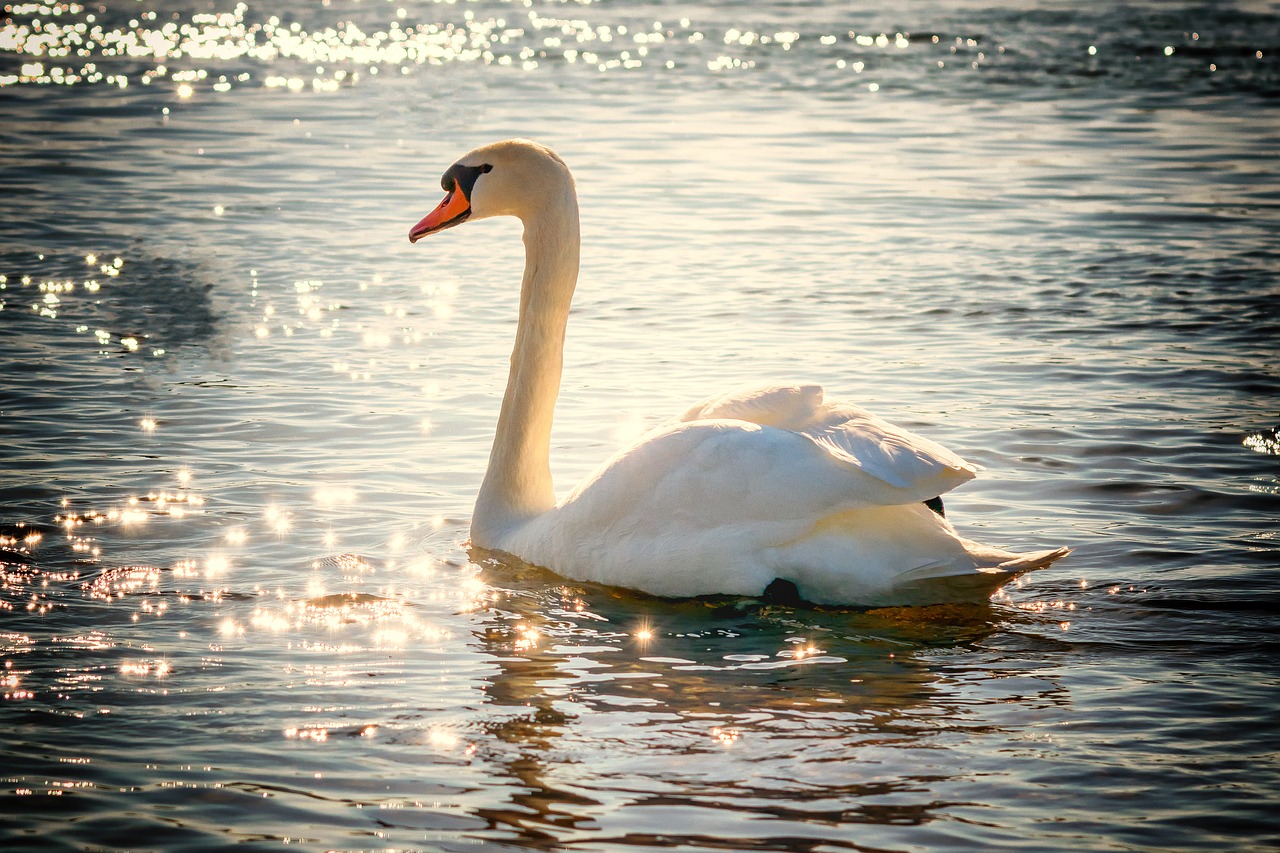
x: 453, y: 210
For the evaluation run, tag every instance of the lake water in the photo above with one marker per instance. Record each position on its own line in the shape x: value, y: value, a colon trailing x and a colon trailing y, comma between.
x: 242, y: 422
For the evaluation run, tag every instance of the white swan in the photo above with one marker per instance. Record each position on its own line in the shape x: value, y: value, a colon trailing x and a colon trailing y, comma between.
x: 742, y: 490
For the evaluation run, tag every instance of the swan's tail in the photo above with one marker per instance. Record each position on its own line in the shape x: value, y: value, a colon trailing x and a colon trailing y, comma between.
x: 904, y: 554
x: 1030, y: 562
x: 944, y: 582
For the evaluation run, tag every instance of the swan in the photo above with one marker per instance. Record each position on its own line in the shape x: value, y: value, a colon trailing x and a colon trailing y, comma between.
x: 773, y: 489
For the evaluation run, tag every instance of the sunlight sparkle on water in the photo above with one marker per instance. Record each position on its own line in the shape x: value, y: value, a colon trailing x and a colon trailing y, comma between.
x: 279, y: 520
x: 726, y: 737
x: 390, y: 638
x: 527, y: 638
x: 800, y: 650
x: 334, y: 495
x: 316, y: 587
x: 270, y: 620
x: 442, y: 738
x: 421, y: 566
x: 278, y: 54
x: 317, y: 734
x: 1264, y: 441
x: 159, y: 668
x: 217, y: 565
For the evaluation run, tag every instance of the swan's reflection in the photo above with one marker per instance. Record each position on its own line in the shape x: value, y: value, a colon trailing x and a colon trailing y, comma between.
x: 530, y: 678
x: 607, y: 719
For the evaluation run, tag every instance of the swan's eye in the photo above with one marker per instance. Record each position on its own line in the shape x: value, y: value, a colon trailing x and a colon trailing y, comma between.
x: 463, y: 177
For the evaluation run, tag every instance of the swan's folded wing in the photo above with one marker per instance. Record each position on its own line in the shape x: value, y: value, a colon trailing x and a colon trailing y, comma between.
x: 786, y: 406
x: 886, y: 451
x: 898, y: 457
x: 710, y: 473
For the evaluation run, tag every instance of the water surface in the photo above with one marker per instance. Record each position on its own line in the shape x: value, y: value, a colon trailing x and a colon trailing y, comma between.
x: 242, y: 422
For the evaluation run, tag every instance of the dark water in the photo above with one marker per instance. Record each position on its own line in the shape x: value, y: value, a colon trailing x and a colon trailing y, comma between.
x: 242, y: 422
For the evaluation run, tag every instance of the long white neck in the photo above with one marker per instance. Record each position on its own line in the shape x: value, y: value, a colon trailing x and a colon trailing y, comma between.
x: 517, y: 485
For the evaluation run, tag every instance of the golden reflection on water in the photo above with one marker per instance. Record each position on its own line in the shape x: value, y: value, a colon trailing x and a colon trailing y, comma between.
x: 66, y: 44
x: 143, y: 668
x: 62, y: 47
x: 317, y: 734
x: 578, y: 662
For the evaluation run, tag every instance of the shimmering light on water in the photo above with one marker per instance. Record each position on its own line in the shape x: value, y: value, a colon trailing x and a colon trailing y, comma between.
x: 242, y: 422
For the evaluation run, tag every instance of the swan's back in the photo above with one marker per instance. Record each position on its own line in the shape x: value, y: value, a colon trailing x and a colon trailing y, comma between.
x: 848, y: 432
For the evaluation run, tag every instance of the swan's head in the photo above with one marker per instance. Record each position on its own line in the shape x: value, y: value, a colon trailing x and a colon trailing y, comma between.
x: 511, y: 178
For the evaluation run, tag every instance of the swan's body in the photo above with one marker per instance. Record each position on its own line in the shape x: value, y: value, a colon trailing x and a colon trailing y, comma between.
x: 740, y: 490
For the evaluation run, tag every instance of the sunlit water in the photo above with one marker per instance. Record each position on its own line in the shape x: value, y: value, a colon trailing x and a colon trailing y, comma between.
x: 242, y: 422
